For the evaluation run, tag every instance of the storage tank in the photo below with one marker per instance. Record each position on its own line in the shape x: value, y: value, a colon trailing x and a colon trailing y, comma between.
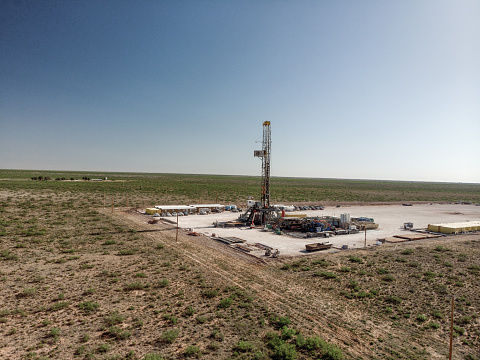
x: 344, y: 219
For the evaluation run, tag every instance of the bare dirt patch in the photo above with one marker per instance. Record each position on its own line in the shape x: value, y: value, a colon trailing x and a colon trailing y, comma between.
x: 322, y: 305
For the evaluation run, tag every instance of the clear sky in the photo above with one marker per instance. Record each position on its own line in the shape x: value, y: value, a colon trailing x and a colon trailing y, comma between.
x: 353, y: 89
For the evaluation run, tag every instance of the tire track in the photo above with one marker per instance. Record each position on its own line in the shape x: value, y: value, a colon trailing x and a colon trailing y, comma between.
x: 283, y: 297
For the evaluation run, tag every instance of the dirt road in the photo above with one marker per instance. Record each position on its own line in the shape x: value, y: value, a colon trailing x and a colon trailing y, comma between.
x: 280, y: 292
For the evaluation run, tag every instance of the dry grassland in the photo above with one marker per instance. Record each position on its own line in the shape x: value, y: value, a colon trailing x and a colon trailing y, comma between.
x: 81, y: 282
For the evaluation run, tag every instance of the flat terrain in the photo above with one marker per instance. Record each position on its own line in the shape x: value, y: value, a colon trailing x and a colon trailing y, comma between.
x: 145, y: 189
x: 80, y: 281
x: 389, y: 217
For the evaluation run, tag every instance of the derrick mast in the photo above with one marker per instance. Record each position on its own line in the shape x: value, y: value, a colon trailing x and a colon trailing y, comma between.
x: 264, y: 154
x: 260, y: 213
x: 267, y: 144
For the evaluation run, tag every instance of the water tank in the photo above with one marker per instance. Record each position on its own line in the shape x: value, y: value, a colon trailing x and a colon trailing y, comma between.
x: 344, y: 219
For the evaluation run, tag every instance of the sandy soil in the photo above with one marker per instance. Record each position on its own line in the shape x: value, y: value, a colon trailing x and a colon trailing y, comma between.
x: 389, y: 217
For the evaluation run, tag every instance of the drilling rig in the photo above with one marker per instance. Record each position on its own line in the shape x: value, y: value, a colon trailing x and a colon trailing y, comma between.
x: 261, y: 212
x: 264, y: 154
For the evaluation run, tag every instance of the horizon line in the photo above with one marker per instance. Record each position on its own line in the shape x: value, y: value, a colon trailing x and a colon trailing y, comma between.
x: 237, y: 175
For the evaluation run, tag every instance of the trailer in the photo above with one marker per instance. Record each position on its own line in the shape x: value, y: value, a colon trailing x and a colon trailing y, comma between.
x: 318, y: 246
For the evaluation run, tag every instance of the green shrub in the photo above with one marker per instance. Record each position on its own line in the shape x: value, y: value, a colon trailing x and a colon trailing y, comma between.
x: 103, y: 348
x: 464, y: 320
x: 280, y: 322
x: 153, y: 356
x: 59, y: 305
x: 80, y: 350
x: 312, y: 343
x: 330, y: 352
x: 6, y: 255
x: 193, y: 351
x: 433, y: 325
x: 393, y: 299
x: 163, y: 283
x: 201, y: 319
x: 441, y: 288
x: 284, y: 351
x: 388, y: 278
x: 354, y: 285
x: 85, y: 338
x: 209, y: 293
x: 355, y: 259
x: 29, y: 292
x: 320, y: 262
x: 170, y: 318
x: 114, y: 319
x: 421, y: 318
x: 214, y: 345
x: 458, y: 330
x: 287, y: 333
x: 54, y: 333
x: 363, y: 295
x: 169, y: 336
x: 118, y: 333
x: 126, y: 252
x: 225, y: 303
x: 189, y: 311
x: 407, y: 252
x: 88, y: 306
x: 135, y: 286
x: 316, y: 345
x: 243, y: 346
x: 217, y: 335
x: 474, y: 268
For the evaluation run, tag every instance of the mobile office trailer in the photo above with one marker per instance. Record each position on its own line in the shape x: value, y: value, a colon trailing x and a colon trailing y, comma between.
x: 164, y: 209
x: 208, y: 207
x: 455, y: 228
x: 284, y: 207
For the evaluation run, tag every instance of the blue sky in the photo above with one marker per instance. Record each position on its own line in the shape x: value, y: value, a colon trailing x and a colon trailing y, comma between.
x: 353, y: 89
